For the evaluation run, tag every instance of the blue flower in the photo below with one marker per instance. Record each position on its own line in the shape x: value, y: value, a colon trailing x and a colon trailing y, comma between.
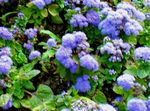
x: 68, y: 40
x: 106, y: 107
x: 92, y: 3
x: 28, y: 45
x: 93, y: 17
x: 132, y: 27
x: 147, y: 3
x: 83, y: 84
x: 5, y: 33
x: 126, y: 81
x: 78, y: 20
x: 148, y: 104
x: 5, y: 51
x: 4, y: 68
x: 51, y: 43
x: 8, y: 105
x: 89, y: 62
x: 34, y: 54
x: 142, y: 53
x: 39, y: 3
x: 31, y: 33
x: 48, y: 1
x: 136, y: 104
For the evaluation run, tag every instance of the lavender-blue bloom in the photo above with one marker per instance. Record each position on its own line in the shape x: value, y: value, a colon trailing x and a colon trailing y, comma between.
x: 8, y: 105
x: 92, y: 3
x: 51, y: 43
x: 48, y: 1
x: 118, y: 99
x: 126, y: 81
x: 5, y: 33
x: 132, y: 11
x: 148, y: 104
x: 83, y: 84
x: 78, y: 20
x: 20, y: 15
x: 89, y: 62
x: 5, y: 51
x: 3, y: 1
x: 63, y: 55
x: 115, y: 49
x: 103, y: 5
x: 28, y: 45
x: 147, y: 3
x: 4, y: 68
x: 142, y: 53
x: 93, y: 17
x: 147, y: 16
x: 79, y: 37
x: 136, y: 104
x: 106, y: 107
x: 39, y: 3
x: 68, y: 40
x: 31, y: 33
x: 112, y: 71
x: 34, y: 54
x: 132, y: 27
x: 6, y: 59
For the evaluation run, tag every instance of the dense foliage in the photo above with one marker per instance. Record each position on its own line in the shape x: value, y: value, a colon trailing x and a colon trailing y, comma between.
x: 75, y: 55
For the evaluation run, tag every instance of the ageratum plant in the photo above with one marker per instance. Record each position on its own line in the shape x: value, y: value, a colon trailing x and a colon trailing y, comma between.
x: 75, y: 55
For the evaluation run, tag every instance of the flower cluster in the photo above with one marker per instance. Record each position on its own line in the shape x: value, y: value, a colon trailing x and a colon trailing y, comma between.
x: 147, y: 3
x: 112, y: 71
x: 92, y: 3
x: 89, y: 62
x: 115, y: 49
x: 31, y: 33
x: 121, y: 19
x: 78, y: 20
x: 93, y: 17
x: 5, y: 33
x: 84, y: 105
x: 106, y: 107
x: 28, y: 45
x: 142, y: 53
x: 132, y: 11
x: 8, y: 105
x: 83, y: 84
x: 75, y: 41
x: 41, y: 3
x: 126, y: 81
x: 51, y: 42
x: 34, y: 54
x: 136, y: 104
x: 3, y: 1
x: 132, y: 27
x: 5, y: 60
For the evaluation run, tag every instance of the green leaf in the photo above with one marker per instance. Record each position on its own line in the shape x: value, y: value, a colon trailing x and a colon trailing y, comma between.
x: 57, y: 19
x: 61, y: 3
x: 48, y: 54
x: 118, y: 90
x: 53, y: 9
x: 4, y: 99
x: 31, y: 74
x: 51, y: 34
x: 16, y: 103
x: 27, y: 67
x: 44, y: 12
x: 142, y: 73
x: 21, y: 58
x: 44, y: 92
x: 28, y: 85
x: 100, y: 97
